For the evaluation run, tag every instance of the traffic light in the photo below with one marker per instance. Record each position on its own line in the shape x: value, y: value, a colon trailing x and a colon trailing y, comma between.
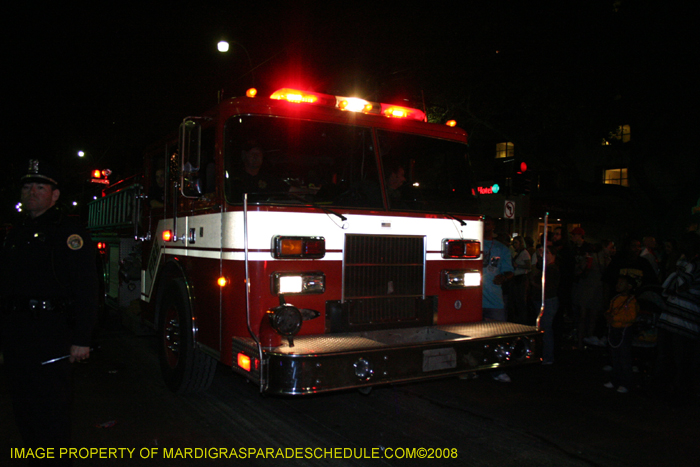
x: 527, y: 182
x: 522, y: 180
x: 101, y: 176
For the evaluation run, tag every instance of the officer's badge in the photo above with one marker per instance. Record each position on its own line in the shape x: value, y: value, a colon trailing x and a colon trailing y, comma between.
x: 33, y: 166
x: 75, y: 242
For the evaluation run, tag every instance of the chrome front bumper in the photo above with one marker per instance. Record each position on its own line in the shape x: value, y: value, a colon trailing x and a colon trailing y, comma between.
x: 329, y: 362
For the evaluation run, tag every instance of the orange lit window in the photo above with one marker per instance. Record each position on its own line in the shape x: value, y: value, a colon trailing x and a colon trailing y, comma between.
x: 504, y: 150
x: 622, y: 133
x: 625, y: 133
x: 616, y: 177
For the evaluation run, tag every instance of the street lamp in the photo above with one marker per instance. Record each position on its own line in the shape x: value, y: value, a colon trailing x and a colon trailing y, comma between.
x: 223, y: 47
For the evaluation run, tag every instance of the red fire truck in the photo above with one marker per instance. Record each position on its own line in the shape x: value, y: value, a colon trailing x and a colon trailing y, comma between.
x: 310, y: 242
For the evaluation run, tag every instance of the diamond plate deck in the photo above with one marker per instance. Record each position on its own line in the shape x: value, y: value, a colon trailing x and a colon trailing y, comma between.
x: 354, y: 341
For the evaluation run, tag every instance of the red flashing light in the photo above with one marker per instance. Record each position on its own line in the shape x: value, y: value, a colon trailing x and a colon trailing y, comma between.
x: 523, y: 167
x: 101, y: 176
x: 296, y: 96
x: 397, y: 111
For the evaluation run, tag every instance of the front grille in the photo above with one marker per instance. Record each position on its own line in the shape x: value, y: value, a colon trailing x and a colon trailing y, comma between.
x: 383, y: 280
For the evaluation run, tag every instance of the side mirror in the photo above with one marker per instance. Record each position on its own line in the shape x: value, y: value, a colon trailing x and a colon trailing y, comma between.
x: 190, y: 154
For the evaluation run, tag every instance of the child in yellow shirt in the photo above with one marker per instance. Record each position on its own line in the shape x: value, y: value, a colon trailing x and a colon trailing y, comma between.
x: 621, y: 316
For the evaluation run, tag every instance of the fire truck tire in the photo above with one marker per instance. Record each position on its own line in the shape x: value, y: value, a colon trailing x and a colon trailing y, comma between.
x: 185, y: 368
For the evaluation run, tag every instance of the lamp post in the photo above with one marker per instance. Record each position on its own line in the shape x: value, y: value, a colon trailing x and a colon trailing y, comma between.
x: 223, y: 47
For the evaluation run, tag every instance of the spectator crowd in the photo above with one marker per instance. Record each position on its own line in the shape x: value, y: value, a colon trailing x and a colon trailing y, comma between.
x: 639, y: 300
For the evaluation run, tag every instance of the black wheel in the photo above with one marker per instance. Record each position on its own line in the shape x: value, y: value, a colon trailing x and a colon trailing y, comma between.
x: 185, y: 368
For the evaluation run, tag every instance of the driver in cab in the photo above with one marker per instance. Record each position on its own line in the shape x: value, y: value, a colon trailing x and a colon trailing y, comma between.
x: 252, y: 178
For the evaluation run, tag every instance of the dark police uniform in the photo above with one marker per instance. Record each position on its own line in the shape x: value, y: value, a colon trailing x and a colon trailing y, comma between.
x: 48, y: 290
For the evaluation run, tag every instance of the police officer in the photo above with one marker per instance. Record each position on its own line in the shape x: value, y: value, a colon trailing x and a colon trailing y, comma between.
x: 48, y: 290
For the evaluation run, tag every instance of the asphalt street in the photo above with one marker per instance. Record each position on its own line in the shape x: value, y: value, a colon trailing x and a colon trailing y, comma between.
x: 558, y: 415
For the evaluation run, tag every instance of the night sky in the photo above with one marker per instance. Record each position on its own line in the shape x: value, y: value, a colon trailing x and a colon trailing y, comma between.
x: 110, y: 78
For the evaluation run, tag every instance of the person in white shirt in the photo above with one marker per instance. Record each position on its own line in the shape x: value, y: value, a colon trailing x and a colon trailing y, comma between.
x: 521, y: 264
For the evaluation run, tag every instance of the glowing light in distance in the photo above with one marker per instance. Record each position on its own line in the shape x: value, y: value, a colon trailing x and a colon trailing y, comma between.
x: 222, y: 46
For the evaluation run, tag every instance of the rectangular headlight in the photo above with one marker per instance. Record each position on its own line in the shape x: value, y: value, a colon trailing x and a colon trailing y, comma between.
x: 460, y: 279
x: 297, y: 282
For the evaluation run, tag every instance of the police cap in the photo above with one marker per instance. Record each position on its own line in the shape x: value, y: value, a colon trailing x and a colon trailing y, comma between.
x: 40, y: 171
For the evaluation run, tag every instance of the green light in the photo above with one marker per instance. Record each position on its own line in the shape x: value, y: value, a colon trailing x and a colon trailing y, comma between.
x: 495, y: 188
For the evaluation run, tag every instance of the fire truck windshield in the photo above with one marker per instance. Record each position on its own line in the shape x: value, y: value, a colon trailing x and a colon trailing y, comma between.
x: 288, y: 161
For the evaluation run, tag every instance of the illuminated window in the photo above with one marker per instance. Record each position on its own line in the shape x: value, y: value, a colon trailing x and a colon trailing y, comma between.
x: 622, y: 133
x: 616, y: 177
x: 504, y: 150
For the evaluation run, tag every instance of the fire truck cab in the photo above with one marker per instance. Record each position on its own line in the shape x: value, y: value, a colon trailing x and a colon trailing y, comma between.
x: 310, y: 242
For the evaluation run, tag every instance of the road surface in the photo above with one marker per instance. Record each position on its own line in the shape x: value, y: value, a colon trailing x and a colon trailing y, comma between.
x: 559, y: 415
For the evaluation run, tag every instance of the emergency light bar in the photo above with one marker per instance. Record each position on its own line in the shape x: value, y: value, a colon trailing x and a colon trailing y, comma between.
x: 350, y: 104
x: 101, y: 176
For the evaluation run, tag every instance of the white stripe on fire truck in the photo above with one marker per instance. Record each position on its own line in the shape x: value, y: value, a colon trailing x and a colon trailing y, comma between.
x: 264, y: 255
